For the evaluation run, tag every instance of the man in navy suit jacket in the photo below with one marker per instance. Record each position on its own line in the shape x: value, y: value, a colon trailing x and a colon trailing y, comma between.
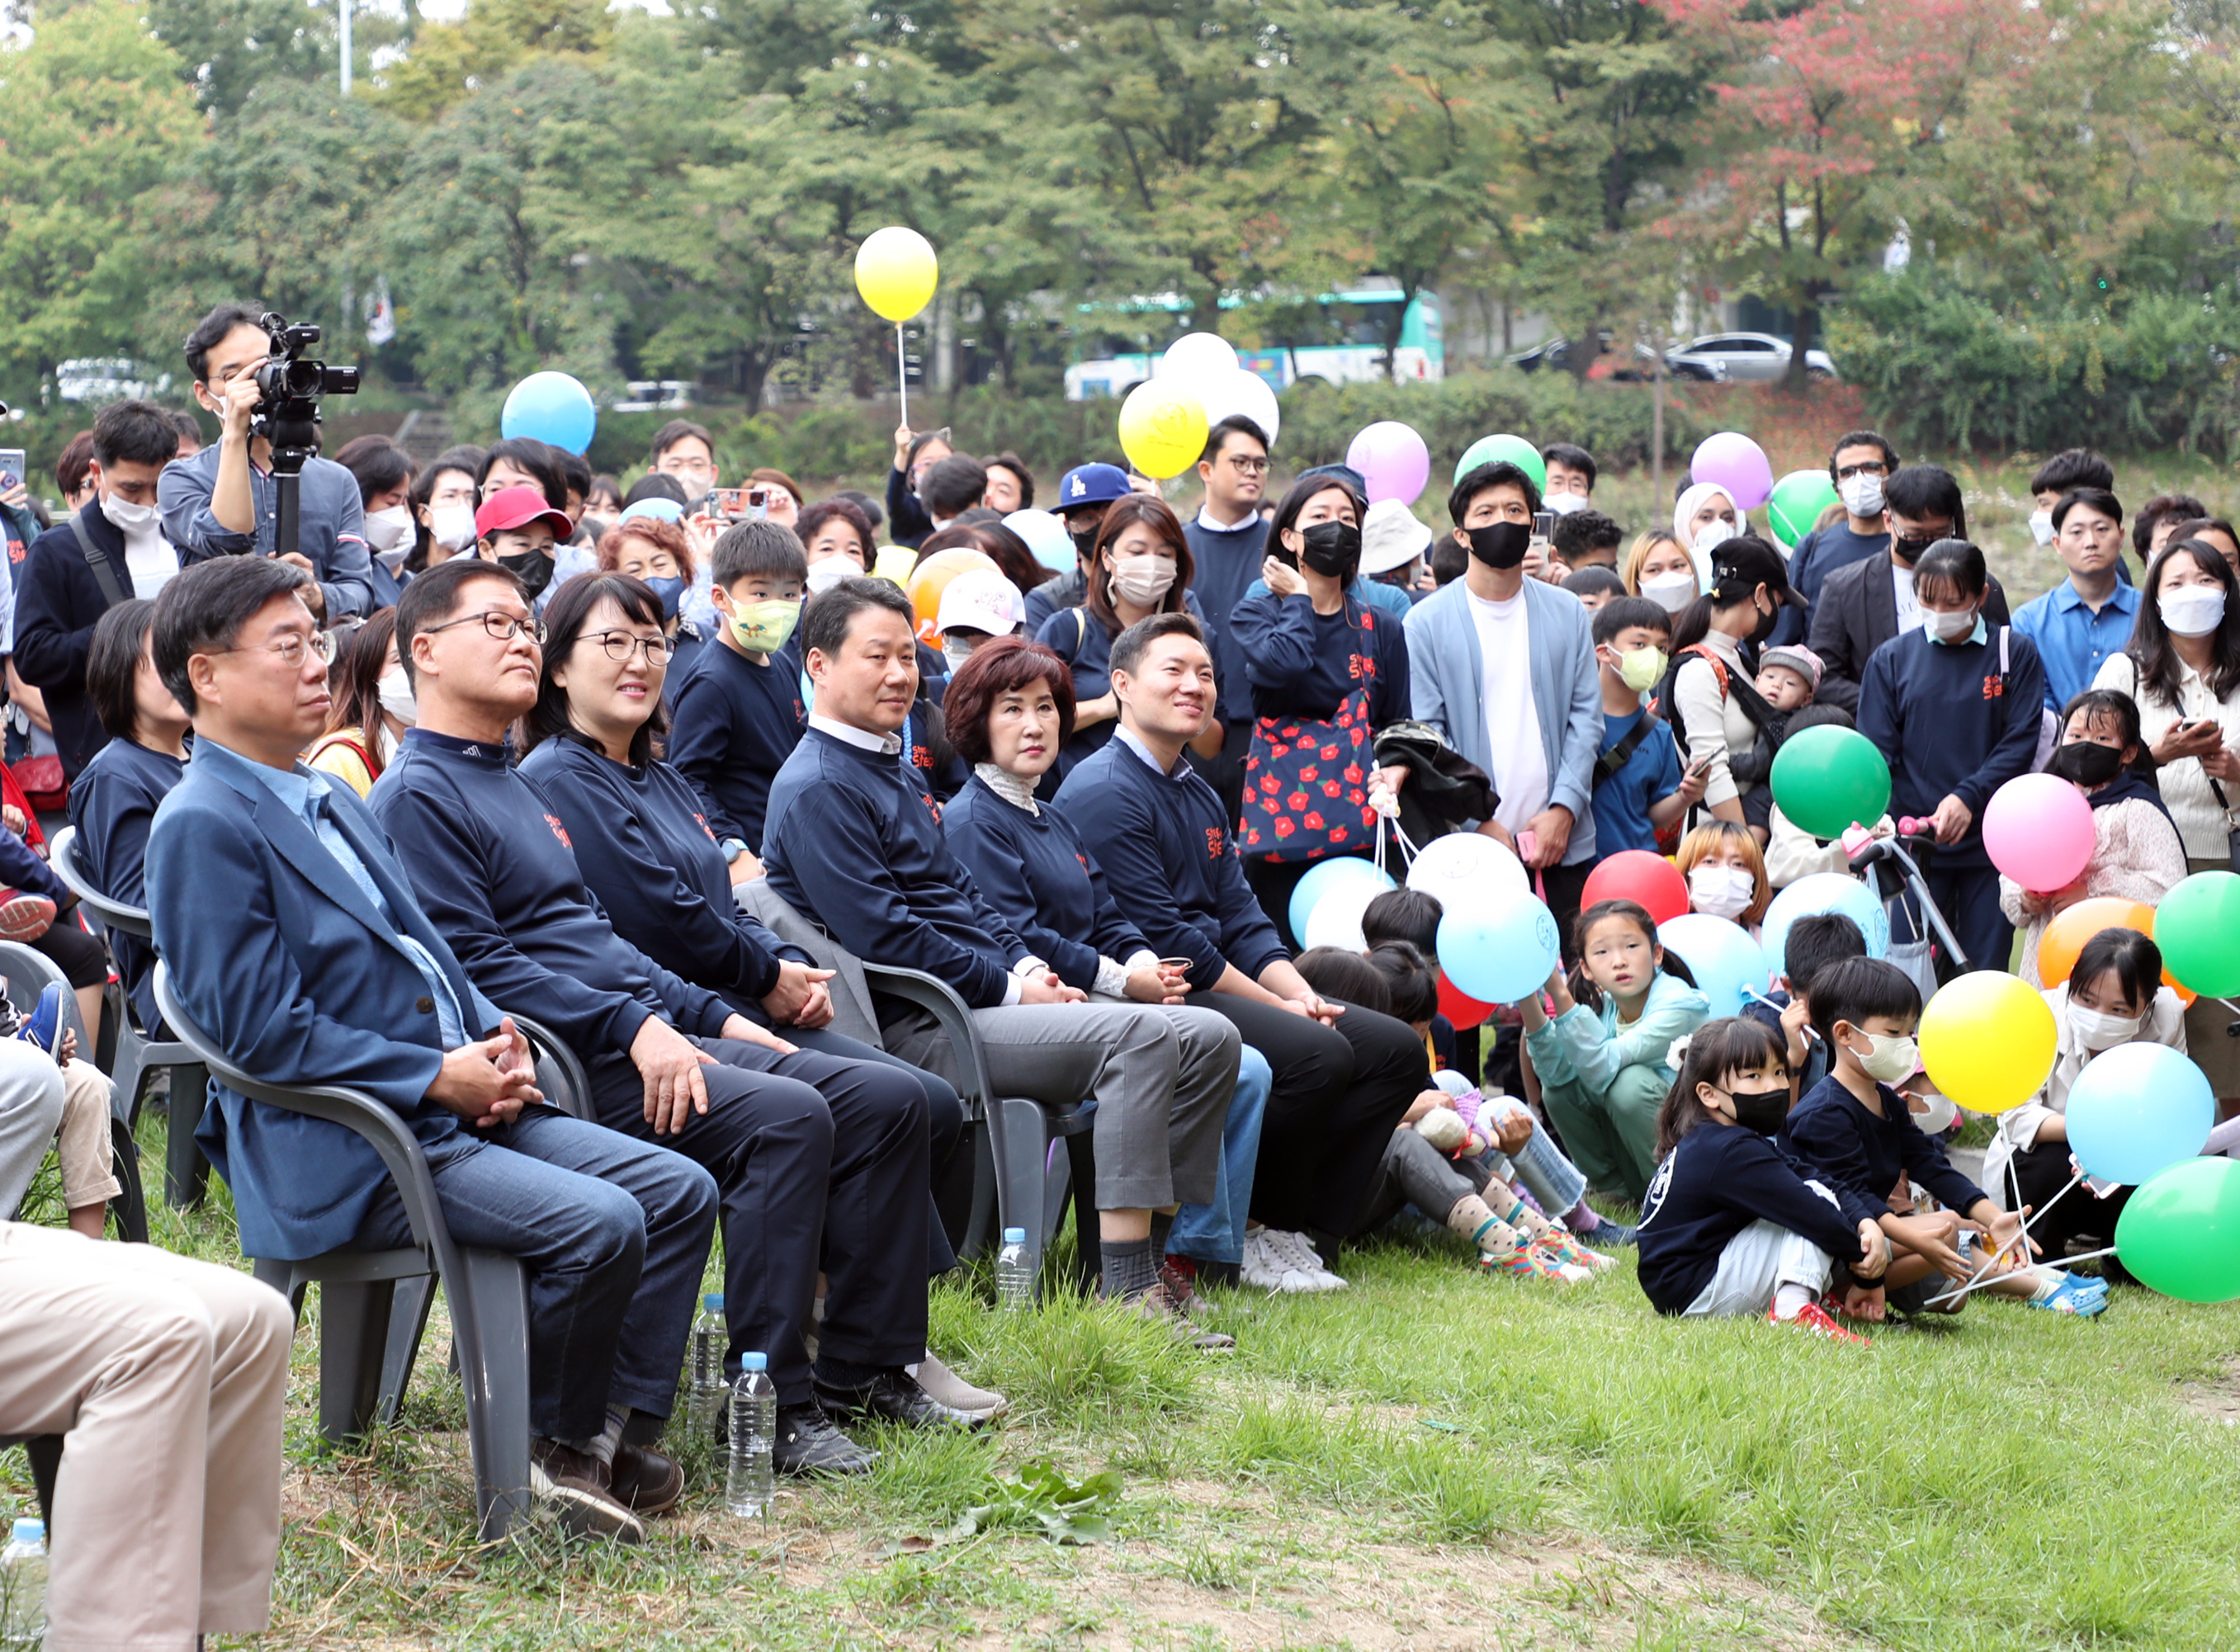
x: 296, y: 943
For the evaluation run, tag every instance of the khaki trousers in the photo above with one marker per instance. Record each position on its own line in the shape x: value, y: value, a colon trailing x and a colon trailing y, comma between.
x: 165, y: 1376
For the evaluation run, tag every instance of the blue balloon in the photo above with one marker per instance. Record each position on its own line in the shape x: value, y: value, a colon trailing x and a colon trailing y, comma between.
x: 1499, y: 947
x: 1323, y: 876
x: 2137, y: 1110
x: 1729, y: 967
x: 1046, y: 536
x: 550, y: 406
x: 1824, y: 892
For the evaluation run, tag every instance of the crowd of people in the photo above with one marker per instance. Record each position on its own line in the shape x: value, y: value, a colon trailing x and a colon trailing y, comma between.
x: 652, y: 766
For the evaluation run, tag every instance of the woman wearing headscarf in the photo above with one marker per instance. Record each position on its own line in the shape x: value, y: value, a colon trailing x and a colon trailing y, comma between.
x: 1705, y: 518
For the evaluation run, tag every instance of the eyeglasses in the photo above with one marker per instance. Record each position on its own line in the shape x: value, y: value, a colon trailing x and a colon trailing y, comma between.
x: 502, y: 627
x: 291, y: 649
x: 620, y: 645
x: 1248, y: 467
x: 1872, y: 467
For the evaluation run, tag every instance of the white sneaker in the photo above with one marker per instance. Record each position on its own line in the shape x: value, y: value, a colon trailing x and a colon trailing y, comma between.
x: 1265, y: 1268
x: 1296, y: 1255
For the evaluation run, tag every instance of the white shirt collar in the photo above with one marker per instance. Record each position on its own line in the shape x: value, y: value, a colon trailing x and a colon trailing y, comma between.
x: 887, y: 745
x: 1128, y: 737
x: 1212, y: 523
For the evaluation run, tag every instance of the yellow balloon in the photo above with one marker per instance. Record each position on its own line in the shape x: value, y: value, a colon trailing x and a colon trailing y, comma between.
x: 897, y: 272
x: 893, y: 563
x: 1162, y: 428
x: 1987, y: 1039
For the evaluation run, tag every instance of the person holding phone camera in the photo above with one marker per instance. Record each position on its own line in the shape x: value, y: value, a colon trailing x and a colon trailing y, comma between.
x: 223, y: 501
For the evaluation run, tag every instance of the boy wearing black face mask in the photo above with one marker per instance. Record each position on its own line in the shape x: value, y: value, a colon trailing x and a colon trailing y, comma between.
x: 1504, y: 668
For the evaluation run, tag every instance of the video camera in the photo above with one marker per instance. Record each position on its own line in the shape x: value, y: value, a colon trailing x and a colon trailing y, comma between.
x: 291, y: 385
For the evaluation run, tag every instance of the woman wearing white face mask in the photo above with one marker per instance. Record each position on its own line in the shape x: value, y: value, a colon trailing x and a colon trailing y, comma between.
x: 384, y: 487
x: 1657, y: 566
x: 1702, y: 520
x: 1726, y: 873
x: 441, y: 501
x: 2182, y: 667
x: 1140, y: 565
x: 2114, y: 996
x: 1954, y: 707
x: 372, y: 707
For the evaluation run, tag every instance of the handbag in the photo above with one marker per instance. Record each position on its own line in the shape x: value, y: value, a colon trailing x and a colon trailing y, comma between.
x: 1306, y: 779
x: 42, y: 781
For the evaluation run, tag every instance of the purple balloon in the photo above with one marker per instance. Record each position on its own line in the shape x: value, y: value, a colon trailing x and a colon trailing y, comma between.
x: 1737, y: 465
x: 1392, y: 460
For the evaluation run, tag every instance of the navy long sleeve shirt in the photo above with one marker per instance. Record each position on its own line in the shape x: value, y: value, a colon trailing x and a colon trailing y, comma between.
x: 1079, y: 638
x: 1224, y: 561
x: 854, y: 844
x: 1170, y: 861
x: 1718, y: 1181
x: 1035, y: 869
x: 733, y: 725
x: 1301, y: 662
x: 497, y: 874
x: 648, y: 857
x: 1950, y: 724
x: 113, y: 803
x: 58, y: 602
x: 1850, y: 1150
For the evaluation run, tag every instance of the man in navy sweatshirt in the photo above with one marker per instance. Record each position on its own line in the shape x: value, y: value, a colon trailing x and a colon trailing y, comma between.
x: 1344, y: 1075
x: 855, y: 844
x: 823, y: 1162
x: 1227, y: 539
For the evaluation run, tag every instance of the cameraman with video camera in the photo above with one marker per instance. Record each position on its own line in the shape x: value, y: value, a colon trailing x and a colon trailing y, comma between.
x: 223, y: 501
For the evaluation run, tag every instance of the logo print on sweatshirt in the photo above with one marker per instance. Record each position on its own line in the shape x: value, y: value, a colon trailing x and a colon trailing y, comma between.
x: 559, y: 831
x: 1213, y: 835
x: 1995, y: 688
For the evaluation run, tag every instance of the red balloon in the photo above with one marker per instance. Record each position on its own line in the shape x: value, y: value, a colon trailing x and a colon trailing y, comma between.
x: 1636, y: 874
x: 1464, y: 1011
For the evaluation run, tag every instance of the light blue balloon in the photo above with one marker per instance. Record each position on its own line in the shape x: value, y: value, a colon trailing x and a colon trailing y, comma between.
x: 550, y: 406
x: 1046, y: 536
x: 1729, y: 967
x: 1824, y: 892
x: 1499, y: 946
x: 1323, y: 876
x: 2137, y: 1110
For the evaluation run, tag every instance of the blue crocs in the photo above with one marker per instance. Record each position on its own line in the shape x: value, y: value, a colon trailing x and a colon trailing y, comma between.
x: 2073, y: 1295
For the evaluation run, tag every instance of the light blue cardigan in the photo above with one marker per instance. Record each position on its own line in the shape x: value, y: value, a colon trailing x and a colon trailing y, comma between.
x: 1446, y: 677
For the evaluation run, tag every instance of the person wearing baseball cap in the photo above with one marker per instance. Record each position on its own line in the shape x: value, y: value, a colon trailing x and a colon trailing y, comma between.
x: 1083, y: 494
x: 976, y: 607
x: 1718, y: 711
x: 1394, y: 543
x: 518, y: 530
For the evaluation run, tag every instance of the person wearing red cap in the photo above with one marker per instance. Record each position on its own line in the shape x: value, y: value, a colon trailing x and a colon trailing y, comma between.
x: 518, y: 530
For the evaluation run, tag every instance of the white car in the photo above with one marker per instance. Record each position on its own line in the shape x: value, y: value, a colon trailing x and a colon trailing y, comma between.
x: 1749, y: 356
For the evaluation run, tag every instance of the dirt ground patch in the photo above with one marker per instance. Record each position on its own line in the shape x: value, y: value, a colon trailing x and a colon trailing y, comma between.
x: 2216, y: 1398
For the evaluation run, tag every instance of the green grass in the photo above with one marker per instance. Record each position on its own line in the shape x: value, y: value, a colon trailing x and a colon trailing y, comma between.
x: 1492, y: 1463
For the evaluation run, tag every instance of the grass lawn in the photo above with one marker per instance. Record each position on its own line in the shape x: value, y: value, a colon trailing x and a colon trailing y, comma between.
x: 1431, y: 1459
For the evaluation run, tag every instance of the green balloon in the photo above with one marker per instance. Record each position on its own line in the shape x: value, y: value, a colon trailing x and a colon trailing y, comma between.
x: 1515, y: 450
x: 1826, y: 778
x: 2180, y: 1232
x: 1798, y: 499
x: 2196, y: 926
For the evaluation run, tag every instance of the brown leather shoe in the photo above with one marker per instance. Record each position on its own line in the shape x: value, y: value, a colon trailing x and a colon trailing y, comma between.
x: 575, y: 1488
x: 643, y: 1481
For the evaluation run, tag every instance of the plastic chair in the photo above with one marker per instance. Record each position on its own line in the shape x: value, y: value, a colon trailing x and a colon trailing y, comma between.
x: 25, y: 973
x: 488, y: 1291
x: 135, y: 1056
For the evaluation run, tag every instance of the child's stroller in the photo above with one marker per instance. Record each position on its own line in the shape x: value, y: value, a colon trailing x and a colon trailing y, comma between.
x: 1922, y: 943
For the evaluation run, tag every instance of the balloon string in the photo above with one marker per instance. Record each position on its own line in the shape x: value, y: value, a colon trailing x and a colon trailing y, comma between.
x: 902, y: 373
x: 2021, y: 1232
x: 2089, y: 1256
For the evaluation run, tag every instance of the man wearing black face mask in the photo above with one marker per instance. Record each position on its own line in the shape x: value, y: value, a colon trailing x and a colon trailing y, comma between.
x: 1505, y: 667
x: 1083, y: 494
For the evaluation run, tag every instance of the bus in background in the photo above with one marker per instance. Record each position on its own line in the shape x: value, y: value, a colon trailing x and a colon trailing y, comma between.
x: 1334, y: 338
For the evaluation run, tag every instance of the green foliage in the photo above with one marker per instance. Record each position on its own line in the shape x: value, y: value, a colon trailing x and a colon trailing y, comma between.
x: 1946, y: 368
x: 1041, y: 1498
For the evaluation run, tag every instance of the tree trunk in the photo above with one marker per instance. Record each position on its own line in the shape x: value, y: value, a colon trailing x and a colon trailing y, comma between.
x: 1805, y: 336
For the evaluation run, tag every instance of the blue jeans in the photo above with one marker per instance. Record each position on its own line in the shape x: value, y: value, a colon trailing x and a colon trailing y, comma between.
x: 1214, y: 1232
x: 614, y: 1234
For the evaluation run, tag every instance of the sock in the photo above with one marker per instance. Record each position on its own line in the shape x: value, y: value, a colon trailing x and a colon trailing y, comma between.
x: 1162, y: 1227
x: 602, y: 1445
x: 1791, y: 1299
x: 2048, y: 1282
x: 1471, y: 1219
x: 1129, y: 1269
x: 1524, y: 1217
x: 1580, y: 1220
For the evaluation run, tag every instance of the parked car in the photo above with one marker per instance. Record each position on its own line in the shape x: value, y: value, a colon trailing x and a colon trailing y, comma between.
x: 1749, y: 357
x: 1555, y: 354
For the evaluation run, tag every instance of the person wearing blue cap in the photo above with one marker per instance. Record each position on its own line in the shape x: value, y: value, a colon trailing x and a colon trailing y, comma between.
x: 1083, y: 493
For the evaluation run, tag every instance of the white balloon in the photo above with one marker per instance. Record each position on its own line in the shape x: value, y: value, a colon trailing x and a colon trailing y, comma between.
x: 1462, y: 864
x: 1240, y: 390
x: 1196, y: 356
x: 1335, y: 921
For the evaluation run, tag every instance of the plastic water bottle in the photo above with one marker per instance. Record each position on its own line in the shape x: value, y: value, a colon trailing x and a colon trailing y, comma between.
x: 24, y: 1587
x: 753, y: 1429
x: 710, y: 1336
x: 1015, y: 1272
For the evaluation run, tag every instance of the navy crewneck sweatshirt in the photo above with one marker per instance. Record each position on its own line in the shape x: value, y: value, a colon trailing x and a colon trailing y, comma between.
x: 497, y: 874
x: 1849, y: 1148
x: 1226, y: 561
x: 855, y: 846
x: 733, y: 726
x: 1950, y: 724
x: 1035, y: 869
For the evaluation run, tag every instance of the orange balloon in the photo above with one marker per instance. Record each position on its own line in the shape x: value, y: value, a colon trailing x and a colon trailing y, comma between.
x: 2073, y: 926
x: 931, y: 576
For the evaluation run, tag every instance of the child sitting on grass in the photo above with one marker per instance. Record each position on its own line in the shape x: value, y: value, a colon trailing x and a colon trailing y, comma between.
x: 1858, y: 1134
x: 1462, y: 1193
x: 1603, y: 1072
x: 1732, y: 1224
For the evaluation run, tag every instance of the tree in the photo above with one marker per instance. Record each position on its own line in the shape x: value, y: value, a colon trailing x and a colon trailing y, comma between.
x: 97, y: 117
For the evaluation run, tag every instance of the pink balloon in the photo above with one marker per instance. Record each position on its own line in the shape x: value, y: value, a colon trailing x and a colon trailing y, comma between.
x: 1392, y: 460
x: 2037, y: 830
x: 1732, y: 461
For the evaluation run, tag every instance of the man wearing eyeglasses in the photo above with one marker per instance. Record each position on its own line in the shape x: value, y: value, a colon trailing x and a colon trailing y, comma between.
x: 1228, y: 540
x: 1859, y: 464
x: 294, y: 941
x: 823, y: 1162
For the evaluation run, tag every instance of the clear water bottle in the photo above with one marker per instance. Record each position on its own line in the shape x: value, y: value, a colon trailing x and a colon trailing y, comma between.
x: 1015, y: 1271
x: 24, y: 1587
x: 754, y: 1430
x: 710, y: 1336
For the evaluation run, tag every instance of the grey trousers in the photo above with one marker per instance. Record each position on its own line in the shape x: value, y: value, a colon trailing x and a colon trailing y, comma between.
x: 1161, y: 1076
x: 1414, y: 1172
x: 31, y: 1112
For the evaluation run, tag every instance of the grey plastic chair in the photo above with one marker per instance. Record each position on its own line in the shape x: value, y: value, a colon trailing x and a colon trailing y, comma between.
x: 136, y: 1057
x: 488, y: 1291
